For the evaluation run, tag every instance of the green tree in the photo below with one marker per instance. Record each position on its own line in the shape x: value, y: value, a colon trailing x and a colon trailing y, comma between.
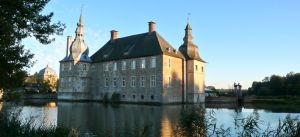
x: 20, y: 19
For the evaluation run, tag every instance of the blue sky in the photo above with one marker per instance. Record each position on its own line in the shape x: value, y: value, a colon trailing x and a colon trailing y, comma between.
x: 242, y: 41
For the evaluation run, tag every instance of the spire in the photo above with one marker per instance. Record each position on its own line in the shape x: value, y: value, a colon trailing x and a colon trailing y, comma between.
x: 79, y: 30
x: 188, y: 38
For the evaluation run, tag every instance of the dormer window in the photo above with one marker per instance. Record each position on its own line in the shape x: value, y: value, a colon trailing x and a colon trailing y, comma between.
x: 168, y: 49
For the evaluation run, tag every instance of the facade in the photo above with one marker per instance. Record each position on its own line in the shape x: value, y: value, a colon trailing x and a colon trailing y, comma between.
x: 141, y: 68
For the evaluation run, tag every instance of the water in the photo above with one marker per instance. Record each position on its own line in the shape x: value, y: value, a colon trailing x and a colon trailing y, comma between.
x: 137, y: 120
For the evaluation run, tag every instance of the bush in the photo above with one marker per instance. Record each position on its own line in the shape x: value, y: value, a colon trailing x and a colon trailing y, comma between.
x: 115, y: 98
x: 11, y: 95
x: 11, y: 126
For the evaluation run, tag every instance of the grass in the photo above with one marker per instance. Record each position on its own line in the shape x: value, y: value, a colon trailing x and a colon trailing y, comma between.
x: 11, y: 126
x: 277, y: 99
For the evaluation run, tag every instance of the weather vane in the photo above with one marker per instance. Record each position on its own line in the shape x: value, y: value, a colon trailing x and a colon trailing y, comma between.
x: 188, y: 17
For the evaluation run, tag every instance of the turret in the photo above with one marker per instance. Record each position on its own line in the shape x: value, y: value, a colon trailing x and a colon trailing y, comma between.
x: 194, y: 69
x: 74, y: 68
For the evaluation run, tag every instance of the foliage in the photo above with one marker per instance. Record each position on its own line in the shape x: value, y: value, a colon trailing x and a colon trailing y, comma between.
x: 115, y: 98
x: 11, y: 126
x: 21, y: 19
x: 277, y: 85
x: 12, y: 95
x: 194, y: 122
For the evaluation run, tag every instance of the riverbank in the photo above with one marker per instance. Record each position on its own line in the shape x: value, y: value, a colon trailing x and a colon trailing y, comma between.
x: 256, y: 99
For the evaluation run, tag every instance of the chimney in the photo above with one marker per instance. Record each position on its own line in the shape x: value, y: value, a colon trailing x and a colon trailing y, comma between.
x: 151, y: 26
x: 69, y: 42
x: 114, y: 35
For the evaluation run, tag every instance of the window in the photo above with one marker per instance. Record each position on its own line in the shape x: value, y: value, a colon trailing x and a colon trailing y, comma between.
x: 152, y: 97
x: 153, y: 62
x: 70, y: 66
x: 196, y: 67
x: 62, y: 67
x: 169, y: 62
x: 62, y: 80
x: 115, y: 82
x: 153, y: 81
x: 123, y: 82
x: 143, y: 63
x: 106, y: 82
x: 70, y: 79
x: 202, y: 69
x: 169, y: 82
x: 84, y: 67
x: 142, y: 81
x: 115, y: 66
x: 142, y: 97
x: 106, y: 66
x: 124, y: 65
x: 133, y: 82
x: 83, y: 83
x: 133, y: 64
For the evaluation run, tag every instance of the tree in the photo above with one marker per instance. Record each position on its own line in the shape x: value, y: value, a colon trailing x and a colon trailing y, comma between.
x: 20, y: 19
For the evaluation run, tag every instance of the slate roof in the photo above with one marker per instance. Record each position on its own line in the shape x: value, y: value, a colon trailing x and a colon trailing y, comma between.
x: 134, y: 46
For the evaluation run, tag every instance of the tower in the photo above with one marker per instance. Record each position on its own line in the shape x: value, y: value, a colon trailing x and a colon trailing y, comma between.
x: 194, y: 69
x: 74, y: 67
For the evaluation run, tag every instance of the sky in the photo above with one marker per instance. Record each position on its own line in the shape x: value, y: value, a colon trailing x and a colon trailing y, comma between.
x: 241, y: 41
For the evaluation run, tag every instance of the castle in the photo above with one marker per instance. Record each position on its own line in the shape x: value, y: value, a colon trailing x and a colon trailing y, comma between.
x: 141, y: 68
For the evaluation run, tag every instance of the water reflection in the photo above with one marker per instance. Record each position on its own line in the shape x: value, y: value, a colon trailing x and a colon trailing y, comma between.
x: 139, y: 120
x: 123, y: 120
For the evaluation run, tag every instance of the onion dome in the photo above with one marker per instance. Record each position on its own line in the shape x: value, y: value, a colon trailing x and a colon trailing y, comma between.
x: 79, y: 50
x: 188, y: 48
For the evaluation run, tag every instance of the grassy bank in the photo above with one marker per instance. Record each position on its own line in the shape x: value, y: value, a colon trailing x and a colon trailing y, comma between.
x: 276, y: 99
x: 11, y: 126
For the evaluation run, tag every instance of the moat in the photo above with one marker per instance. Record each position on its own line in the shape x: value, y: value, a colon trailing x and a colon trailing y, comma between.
x: 136, y: 120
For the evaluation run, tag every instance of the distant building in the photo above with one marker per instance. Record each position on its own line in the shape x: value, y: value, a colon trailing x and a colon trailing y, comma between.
x: 45, y: 76
x: 138, y: 68
x: 48, y: 76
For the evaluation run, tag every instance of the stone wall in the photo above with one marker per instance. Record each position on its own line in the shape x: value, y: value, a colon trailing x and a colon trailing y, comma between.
x: 172, y: 79
x: 128, y: 93
x: 195, y: 81
x: 74, y: 81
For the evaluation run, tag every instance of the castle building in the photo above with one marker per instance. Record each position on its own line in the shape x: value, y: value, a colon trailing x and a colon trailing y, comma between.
x: 141, y: 68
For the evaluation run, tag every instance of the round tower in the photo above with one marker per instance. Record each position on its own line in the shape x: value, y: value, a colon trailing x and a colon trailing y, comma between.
x: 74, y: 67
x: 194, y: 69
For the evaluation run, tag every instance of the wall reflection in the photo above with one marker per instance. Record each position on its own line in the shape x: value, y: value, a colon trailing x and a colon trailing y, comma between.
x: 123, y: 120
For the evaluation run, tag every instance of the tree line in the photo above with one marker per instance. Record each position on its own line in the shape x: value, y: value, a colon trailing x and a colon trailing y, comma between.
x: 277, y: 85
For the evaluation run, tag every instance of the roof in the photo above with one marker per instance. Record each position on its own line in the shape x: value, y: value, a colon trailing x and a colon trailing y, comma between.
x: 47, y: 71
x: 134, y: 46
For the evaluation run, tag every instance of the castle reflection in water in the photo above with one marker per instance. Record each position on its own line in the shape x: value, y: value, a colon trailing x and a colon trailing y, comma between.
x: 122, y: 120
x: 137, y: 120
